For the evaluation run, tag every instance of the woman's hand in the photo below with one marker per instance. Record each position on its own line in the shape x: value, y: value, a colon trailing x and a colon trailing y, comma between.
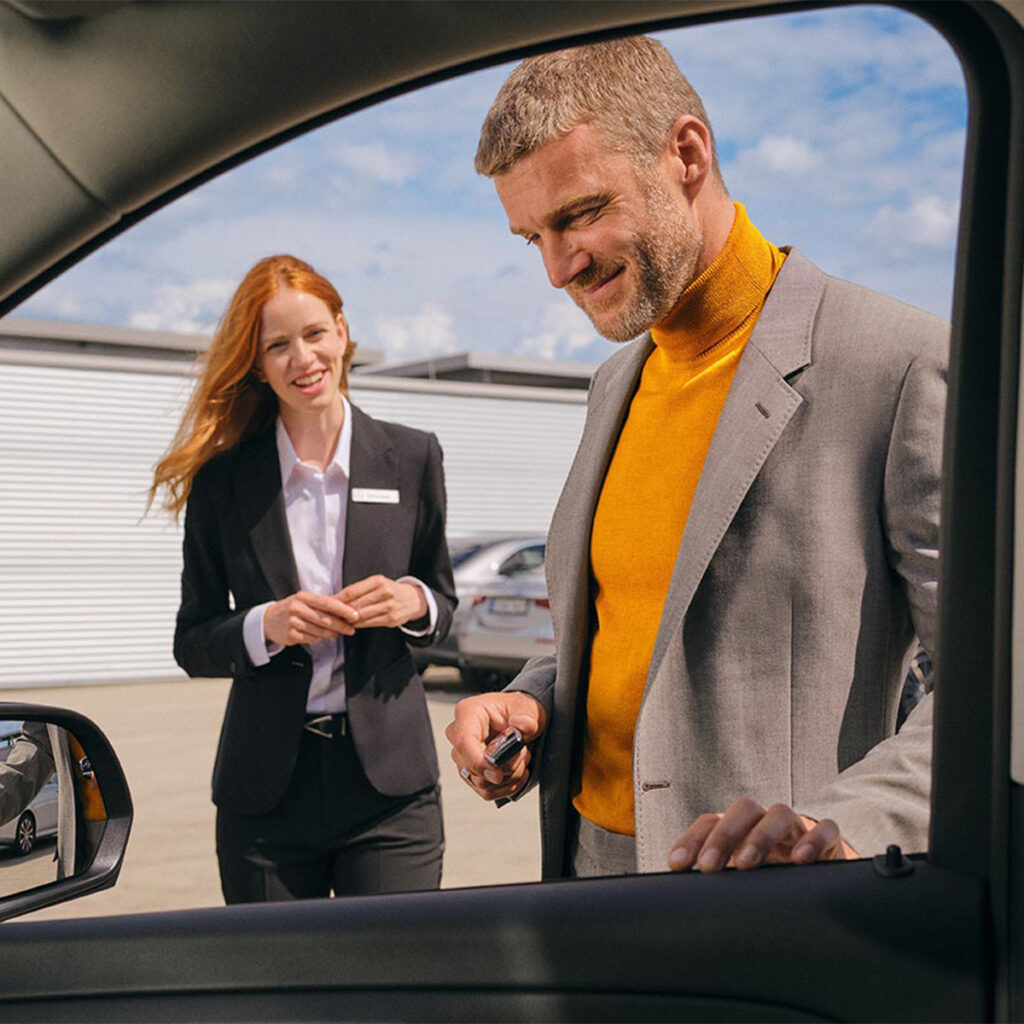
x: 384, y: 602
x: 305, y: 618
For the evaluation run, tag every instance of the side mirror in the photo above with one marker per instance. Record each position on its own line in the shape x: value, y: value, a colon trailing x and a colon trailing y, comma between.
x: 65, y: 808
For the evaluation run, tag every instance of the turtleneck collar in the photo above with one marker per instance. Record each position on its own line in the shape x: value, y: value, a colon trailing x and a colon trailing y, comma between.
x: 720, y: 302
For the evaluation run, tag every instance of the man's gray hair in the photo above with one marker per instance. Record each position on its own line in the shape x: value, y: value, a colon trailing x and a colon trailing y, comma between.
x: 629, y: 89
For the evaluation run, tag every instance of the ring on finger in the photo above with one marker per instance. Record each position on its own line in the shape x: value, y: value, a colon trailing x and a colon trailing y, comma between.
x: 464, y: 772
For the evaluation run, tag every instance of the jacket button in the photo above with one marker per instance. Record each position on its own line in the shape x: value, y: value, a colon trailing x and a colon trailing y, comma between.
x: 655, y: 784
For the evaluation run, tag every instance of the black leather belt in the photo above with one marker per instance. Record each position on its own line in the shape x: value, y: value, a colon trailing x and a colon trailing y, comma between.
x: 327, y: 726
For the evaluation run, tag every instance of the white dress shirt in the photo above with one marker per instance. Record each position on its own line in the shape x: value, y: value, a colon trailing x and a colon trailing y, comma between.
x: 316, y: 504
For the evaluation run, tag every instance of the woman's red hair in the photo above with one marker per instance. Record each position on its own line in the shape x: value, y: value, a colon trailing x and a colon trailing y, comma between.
x: 229, y: 403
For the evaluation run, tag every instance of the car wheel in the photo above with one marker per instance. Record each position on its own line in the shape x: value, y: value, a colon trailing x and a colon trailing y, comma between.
x: 25, y: 834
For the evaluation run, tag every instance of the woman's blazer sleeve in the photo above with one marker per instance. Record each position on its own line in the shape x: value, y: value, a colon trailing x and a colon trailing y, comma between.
x: 208, y: 637
x: 430, y: 561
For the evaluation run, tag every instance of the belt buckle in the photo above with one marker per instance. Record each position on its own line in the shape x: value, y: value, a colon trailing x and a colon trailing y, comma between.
x: 314, y: 726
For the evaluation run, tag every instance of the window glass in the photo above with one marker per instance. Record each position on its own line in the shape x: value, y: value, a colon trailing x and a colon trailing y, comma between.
x: 460, y: 554
x: 523, y: 561
x: 841, y: 131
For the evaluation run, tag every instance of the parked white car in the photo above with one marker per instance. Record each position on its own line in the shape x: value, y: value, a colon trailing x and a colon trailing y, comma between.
x: 507, y: 623
x: 479, y: 562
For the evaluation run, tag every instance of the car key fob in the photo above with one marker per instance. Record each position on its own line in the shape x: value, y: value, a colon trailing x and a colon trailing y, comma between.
x: 504, y: 747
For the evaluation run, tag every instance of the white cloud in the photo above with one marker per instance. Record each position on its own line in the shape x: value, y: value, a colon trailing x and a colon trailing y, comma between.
x: 784, y: 154
x: 869, y: 90
x: 191, y: 308
x: 427, y: 332
x: 196, y: 201
x: 840, y: 130
x: 793, y: 56
x: 66, y: 307
x: 946, y: 148
x: 928, y: 222
x: 281, y: 173
x: 564, y: 333
x: 377, y: 161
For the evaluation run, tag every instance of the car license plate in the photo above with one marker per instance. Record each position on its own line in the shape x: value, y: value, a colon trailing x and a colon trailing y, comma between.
x: 509, y: 605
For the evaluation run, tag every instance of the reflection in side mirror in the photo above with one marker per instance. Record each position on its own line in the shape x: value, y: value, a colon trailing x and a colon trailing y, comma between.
x: 52, y: 813
x: 64, y: 808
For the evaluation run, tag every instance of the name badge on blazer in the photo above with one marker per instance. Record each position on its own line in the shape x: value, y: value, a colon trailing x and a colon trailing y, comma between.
x: 375, y: 495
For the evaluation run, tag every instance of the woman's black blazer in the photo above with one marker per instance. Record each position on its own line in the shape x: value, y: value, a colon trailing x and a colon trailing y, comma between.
x: 237, y: 554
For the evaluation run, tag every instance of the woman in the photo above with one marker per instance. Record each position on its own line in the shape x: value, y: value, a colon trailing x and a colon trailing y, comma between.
x: 314, y: 553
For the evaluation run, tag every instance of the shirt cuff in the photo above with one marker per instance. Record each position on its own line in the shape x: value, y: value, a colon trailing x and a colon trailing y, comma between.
x: 428, y: 596
x: 260, y: 651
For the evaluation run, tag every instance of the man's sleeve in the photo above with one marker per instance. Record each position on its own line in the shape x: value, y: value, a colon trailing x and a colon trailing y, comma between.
x: 537, y: 678
x: 29, y: 764
x: 885, y: 797
x: 913, y: 485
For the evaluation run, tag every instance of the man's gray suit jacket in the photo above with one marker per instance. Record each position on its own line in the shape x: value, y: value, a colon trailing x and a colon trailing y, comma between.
x: 808, y: 563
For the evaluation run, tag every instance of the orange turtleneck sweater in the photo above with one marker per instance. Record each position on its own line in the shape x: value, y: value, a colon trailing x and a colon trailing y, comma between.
x: 646, y: 497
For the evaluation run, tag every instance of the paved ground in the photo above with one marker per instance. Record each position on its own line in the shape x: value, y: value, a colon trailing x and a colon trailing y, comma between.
x: 165, y: 735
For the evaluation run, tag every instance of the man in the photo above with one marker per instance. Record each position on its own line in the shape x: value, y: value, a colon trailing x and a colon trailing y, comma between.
x: 746, y: 544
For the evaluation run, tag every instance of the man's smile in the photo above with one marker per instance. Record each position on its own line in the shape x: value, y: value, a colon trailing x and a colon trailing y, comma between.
x: 595, y: 288
x: 591, y: 284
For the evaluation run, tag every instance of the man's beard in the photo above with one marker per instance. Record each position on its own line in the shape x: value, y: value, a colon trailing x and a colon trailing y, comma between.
x: 663, y: 258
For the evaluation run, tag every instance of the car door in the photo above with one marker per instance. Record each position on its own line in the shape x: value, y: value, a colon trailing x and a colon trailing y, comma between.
x: 931, y: 937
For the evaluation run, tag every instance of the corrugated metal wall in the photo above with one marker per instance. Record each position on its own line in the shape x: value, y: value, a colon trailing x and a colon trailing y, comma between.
x: 89, y: 587
x: 505, y: 458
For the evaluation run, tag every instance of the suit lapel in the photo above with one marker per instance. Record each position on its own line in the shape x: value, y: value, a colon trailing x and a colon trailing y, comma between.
x: 261, y: 501
x: 373, y: 465
x: 757, y: 410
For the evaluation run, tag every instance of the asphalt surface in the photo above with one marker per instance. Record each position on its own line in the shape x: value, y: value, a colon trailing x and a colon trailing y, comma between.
x: 166, y: 735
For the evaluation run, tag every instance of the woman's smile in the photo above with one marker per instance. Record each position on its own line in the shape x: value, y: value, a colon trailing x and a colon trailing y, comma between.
x: 307, y: 384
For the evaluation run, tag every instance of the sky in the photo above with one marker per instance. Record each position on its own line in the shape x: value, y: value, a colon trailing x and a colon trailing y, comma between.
x: 842, y: 131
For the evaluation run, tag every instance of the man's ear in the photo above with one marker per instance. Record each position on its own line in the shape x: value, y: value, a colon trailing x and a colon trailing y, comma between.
x: 690, y: 154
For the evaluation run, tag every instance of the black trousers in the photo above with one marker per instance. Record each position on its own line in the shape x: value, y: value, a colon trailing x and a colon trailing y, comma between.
x: 331, y: 833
